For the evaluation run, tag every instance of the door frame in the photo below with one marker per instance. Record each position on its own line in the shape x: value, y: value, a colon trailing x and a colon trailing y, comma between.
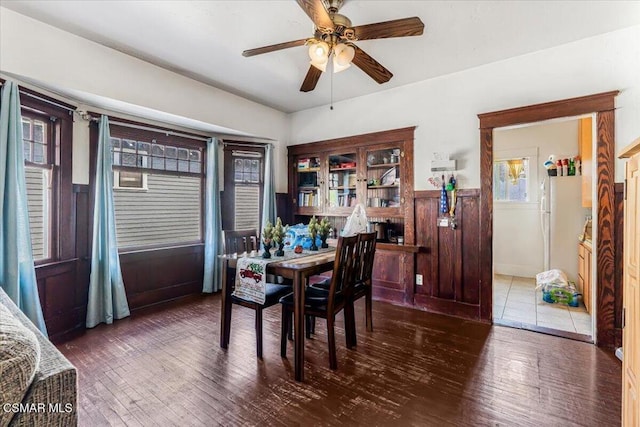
x: 603, y: 106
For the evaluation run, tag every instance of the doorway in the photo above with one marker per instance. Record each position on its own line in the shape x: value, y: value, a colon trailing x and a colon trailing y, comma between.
x: 607, y: 310
x: 540, y: 208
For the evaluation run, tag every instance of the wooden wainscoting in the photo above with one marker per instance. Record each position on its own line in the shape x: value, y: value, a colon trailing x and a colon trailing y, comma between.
x: 156, y: 275
x: 63, y: 285
x: 450, y: 266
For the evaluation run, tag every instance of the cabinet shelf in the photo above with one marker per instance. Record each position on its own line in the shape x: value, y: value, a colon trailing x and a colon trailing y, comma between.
x: 383, y: 165
x: 342, y: 169
x: 343, y: 188
x: 374, y: 187
x: 309, y: 170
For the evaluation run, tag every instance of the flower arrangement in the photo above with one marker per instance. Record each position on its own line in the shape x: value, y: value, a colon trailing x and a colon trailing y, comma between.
x: 278, y: 234
x: 323, y: 228
x: 267, y: 236
x: 278, y: 231
x: 313, y: 231
x: 267, y: 233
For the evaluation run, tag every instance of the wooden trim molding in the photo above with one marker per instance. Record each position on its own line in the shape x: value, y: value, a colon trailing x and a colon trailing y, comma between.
x: 603, y: 104
x: 549, y: 110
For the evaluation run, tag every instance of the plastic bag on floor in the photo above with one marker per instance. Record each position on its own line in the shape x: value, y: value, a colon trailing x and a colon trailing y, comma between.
x: 556, y: 288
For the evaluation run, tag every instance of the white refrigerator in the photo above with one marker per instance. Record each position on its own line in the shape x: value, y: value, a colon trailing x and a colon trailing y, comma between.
x: 562, y: 217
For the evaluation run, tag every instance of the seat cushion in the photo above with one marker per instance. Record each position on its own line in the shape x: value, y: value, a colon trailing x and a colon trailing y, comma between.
x: 19, y: 361
x: 315, y: 298
x: 273, y: 293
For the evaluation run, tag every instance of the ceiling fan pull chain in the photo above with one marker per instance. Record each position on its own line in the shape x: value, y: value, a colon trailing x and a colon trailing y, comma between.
x: 331, y: 107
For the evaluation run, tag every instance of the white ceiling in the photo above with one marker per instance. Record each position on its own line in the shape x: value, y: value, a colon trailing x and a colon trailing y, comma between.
x: 204, y: 39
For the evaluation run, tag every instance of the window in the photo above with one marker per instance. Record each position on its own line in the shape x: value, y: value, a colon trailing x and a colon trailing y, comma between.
x: 511, y: 180
x: 243, y: 185
x: 39, y: 153
x: 47, y: 127
x: 158, y: 188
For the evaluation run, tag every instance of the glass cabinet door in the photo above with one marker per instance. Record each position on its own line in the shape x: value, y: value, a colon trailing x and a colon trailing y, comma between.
x: 342, y: 182
x: 383, y: 180
x: 309, y: 184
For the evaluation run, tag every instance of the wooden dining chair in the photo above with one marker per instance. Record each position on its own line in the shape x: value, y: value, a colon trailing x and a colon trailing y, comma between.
x: 363, y: 272
x: 239, y: 241
x: 326, y: 304
x: 365, y: 250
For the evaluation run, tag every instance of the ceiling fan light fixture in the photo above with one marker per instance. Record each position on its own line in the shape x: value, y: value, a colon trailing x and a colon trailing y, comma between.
x: 342, y: 56
x: 319, y: 52
x: 320, y: 65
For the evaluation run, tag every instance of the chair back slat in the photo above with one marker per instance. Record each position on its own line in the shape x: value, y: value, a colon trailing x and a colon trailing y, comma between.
x: 343, y: 267
x: 239, y: 241
x: 365, y: 252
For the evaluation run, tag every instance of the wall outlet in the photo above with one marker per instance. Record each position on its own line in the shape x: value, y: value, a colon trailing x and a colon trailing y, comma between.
x: 419, y: 279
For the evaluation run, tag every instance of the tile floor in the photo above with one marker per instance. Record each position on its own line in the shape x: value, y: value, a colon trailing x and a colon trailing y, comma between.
x: 515, y: 299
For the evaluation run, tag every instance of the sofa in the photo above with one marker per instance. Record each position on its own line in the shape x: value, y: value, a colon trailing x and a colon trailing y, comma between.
x: 38, y: 385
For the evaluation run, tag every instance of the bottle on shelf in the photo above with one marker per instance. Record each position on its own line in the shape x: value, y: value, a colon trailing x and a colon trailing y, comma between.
x: 572, y: 167
x: 565, y: 167
x: 559, y: 166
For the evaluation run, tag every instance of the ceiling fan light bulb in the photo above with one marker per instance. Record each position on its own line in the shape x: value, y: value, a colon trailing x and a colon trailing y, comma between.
x: 319, y: 51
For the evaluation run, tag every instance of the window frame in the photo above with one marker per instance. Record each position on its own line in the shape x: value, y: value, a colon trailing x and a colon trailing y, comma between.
x: 62, y: 230
x: 228, y: 195
x: 160, y: 136
x: 530, y: 153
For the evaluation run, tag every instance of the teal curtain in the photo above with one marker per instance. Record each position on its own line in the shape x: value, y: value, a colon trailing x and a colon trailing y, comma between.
x: 213, y: 222
x: 107, y: 297
x: 269, y: 198
x: 17, y: 271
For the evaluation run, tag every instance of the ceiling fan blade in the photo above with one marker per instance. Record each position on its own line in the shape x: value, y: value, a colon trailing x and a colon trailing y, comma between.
x: 318, y: 14
x: 273, y: 47
x: 397, y: 28
x: 311, y: 79
x: 370, y: 66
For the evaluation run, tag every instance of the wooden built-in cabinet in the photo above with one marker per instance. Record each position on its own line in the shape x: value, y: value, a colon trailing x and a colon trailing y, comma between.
x: 328, y: 178
x: 331, y: 177
x: 584, y: 272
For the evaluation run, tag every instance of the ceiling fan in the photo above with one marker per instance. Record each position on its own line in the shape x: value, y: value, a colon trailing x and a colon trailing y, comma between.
x: 334, y: 35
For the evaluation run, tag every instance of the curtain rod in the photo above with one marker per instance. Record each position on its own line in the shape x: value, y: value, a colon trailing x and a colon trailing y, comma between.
x: 245, y: 143
x: 152, y: 129
x: 48, y: 101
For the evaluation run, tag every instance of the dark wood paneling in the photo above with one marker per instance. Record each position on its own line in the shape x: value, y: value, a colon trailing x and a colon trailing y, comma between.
x: 450, y: 265
x: 283, y: 207
x: 603, y: 105
x: 153, y: 276
x: 550, y: 110
x: 486, y: 219
x: 605, y: 171
x: 619, y: 262
x: 63, y: 297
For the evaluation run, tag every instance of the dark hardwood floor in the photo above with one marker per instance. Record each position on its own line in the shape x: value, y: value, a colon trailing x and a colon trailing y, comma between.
x: 164, y: 367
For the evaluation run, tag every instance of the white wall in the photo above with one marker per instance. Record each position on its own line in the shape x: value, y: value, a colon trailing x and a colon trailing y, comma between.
x: 517, y: 236
x: 39, y: 51
x: 445, y: 109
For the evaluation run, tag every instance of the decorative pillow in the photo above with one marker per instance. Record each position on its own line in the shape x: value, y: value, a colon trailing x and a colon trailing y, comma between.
x: 19, y: 360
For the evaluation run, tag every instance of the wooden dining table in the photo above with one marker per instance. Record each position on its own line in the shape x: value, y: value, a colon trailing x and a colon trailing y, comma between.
x: 297, y: 268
